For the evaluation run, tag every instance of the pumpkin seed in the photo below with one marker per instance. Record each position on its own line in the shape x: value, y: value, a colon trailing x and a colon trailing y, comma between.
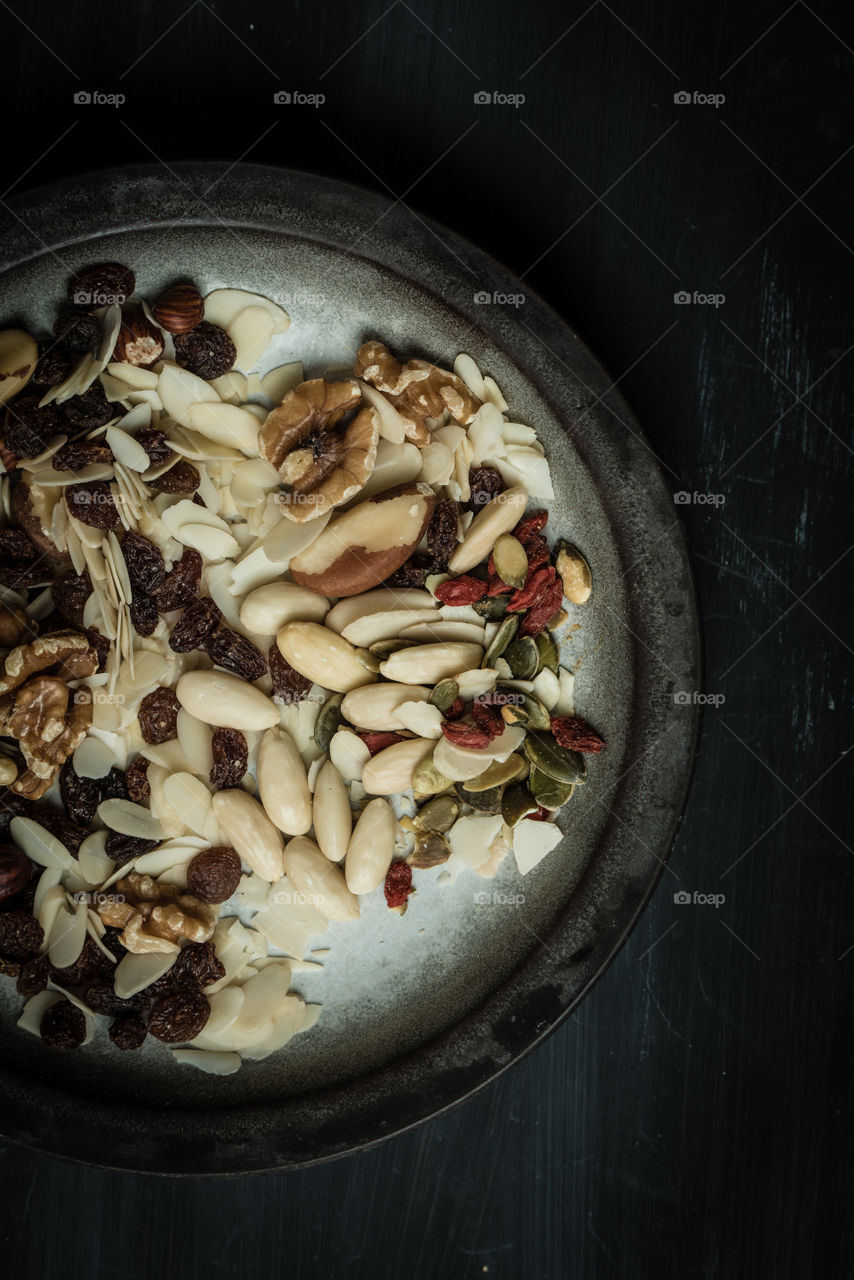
x: 538, y: 716
x: 382, y: 648
x: 488, y: 801
x: 522, y: 657
x: 328, y: 720
x: 547, y: 791
x: 499, y: 773
x: 514, y: 713
x: 492, y: 608
x: 439, y: 814
x: 368, y: 660
x: 431, y: 850
x: 549, y: 655
x: 574, y: 572
x: 510, y: 560
x: 501, y: 639
x: 427, y: 780
x: 445, y: 694
x: 517, y: 802
x: 554, y: 760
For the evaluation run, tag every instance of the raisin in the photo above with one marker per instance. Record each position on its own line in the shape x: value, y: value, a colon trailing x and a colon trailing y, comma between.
x: 195, y: 625
x: 144, y: 615
x: 155, y: 444
x: 101, y: 285
x: 53, y: 366
x: 158, y: 715
x: 288, y: 684
x: 236, y: 654
x: 101, y: 998
x: 230, y: 752
x: 197, y: 966
x: 27, y: 429
x: 214, y: 874
x: 398, y: 884
x: 78, y: 454
x: 484, y: 483
x: 180, y: 587
x: 63, y: 1026
x: 67, y: 831
x: 412, y: 573
x: 456, y: 710
x: 136, y: 776
x: 128, y: 1032
x: 21, y: 935
x: 33, y: 977
x: 182, y: 478
x: 79, y: 331
x: 179, y: 1017
x: 88, y: 966
x: 442, y: 533
x: 99, y: 643
x: 80, y: 796
x: 207, y: 351
x: 91, y: 409
x: 12, y: 806
x: 21, y: 565
x: 122, y: 848
x: 93, y: 503
x: 24, y: 899
x: 144, y: 561
x: 114, y: 786
x: 16, y: 871
x: 70, y: 592
x: 112, y: 940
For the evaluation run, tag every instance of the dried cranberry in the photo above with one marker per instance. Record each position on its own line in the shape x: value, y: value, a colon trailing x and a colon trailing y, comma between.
x: 136, y: 776
x: 145, y: 564
x: 230, y: 754
x: 158, y: 715
x: 288, y: 684
x: 70, y: 592
x: 101, y: 285
x: 179, y: 1017
x: 182, y: 478
x: 28, y: 429
x: 21, y: 935
x: 398, y: 883
x: 197, y: 965
x: 90, y: 409
x: 122, y: 848
x: 236, y: 654
x: 53, y: 366
x: 442, y: 533
x: 93, y: 503
x: 128, y: 1032
x: 180, y: 587
x: 80, y: 331
x: 63, y: 1026
x: 207, y: 351
x: 195, y: 625
x: 80, y: 796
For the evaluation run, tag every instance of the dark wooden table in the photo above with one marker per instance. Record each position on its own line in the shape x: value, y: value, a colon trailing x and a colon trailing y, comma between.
x: 693, y: 1119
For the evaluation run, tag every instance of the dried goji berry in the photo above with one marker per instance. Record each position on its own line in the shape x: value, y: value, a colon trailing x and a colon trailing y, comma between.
x: 398, y: 884
x: 488, y: 717
x: 497, y: 587
x: 379, y: 741
x: 533, y: 523
x: 466, y: 735
x: 535, y: 588
x: 538, y: 616
x: 460, y: 591
x: 537, y: 551
x: 576, y: 734
x: 455, y: 710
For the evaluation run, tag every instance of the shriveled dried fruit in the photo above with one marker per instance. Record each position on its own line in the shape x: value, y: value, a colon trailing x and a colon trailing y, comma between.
x: 462, y: 734
x: 79, y: 795
x: 236, y: 654
x: 576, y: 734
x: 158, y: 715
x: 101, y: 285
x: 180, y: 587
x: 93, y: 503
x: 178, y: 1017
x: 79, y: 331
x: 398, y: 884
x: 122, y: 848
x: 376, y: 742
x: 78, y: 454
x: 487, y: 716
x: 195, y: 626
x: 114, y: 785
x: 63, y: 1026
x: 534, y: 523
x: 207, y: 351
x: 543, y: 610
x: 461, y: 591
x: 145, y: 564
x: 442, y: 533
x: 230, y: 754
x: 28, y: 429
x: 144, y: 615
x: 214, y: 874
x: 90, y: 964
x: 70, y: 592
x: 484, y: 483
x: 33, y: 977
x: 16, y: 871
x: 91, y: 409
x: 128, y: 1032
x: 54, y: 365
x: 21, y: 565
x: 197, y: 965
x: 21, y: 935
x: 100, y: 996
x: 155, y: 444
x: 66, y: 829
x: 11, y: 806
x: 136, y: 776
x: 412, y: 573
x: 182, y: 478
x: 456, y: 710
x: 288, y: 684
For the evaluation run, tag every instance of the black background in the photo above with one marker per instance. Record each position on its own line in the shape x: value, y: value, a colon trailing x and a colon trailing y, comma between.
x: 693, y: 1118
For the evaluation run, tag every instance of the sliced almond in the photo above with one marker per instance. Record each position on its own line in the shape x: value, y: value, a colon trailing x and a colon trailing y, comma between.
x: 250, y: 331
x: 279, y: 381
x: 223, y: 305
x: 226, y: 424
x: 179, y: 390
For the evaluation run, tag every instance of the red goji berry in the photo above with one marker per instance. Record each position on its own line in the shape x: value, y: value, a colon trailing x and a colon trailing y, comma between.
x: 537, y: 583
x: 533, y: 523
x: 576, y: 734
x: 456, y: 710
x: 466, y: 735
x: 398, y: 883
x: 488, y: 717
x: 537, y: 617
x: 379, y: 741
x: 460, y: 591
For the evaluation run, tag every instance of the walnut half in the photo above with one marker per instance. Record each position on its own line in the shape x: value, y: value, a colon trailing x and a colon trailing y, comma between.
x: 155, y: 917
x: 419, y: 391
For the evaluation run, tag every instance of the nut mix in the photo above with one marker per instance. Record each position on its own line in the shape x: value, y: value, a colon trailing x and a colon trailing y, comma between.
x: 265, y: 631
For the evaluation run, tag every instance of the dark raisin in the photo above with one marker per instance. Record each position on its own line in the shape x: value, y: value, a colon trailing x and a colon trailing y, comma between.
x: 80, y: 331
x: 145, y: 564
x: 78, y: 454
x: 230, y: 758
x: 12, y: 806
x: 21, y: 935
x: 136, y: 776
x: 182, y: 478
x: 10, y: 968
x: 27, y: 429
x: 288, y: 684
x: 179, y: 1017
x: 63, y: 1026
x: 88, y: 966
x: 158, y: 715
x: 101, y: 285
x: 101, y: 998
x: 33, y: 977
x: 67, y: 831
x: 214, y: 874
x: 112, y: 940
x: 93, y: 503
x: 155, y: 444
x: 122, y: 848
x: 197, y: 966
x: 180, y: 587
x: 236, y: 654
x: 485, y: 483
x: 99, y: 643
x: 412, y: 573
x: 195, y: 625
x: 207, y: 351
x: 80, y: 796
x: 442, y: 534
x: 128, y: 1032
x: 144, y: 615
x: 54, y: 365
x: 21, y: 565
x: 91, y: 409
x: 16, y: 872
x: 114, y: 786
x: 70, y: 592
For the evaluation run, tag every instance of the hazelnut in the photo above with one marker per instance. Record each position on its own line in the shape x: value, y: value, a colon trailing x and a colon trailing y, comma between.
x: 15, y: 871
x: 139, y: 342
x: 179, y: 309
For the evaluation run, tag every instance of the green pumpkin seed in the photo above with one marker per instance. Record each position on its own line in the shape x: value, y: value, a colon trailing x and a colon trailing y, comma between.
x: 554, y: 760
x: 547, y: 791
x: 328, y: 720
x: 549, y: 655
x: 516, y: 804
x: 499, y: 773
x: 493, y: 608
x: 430, y: 851
x: 510, y: 560
x: 538, y: 717
x: 514, y: 713
x: 522, y: 658
x: 368, y: 660
x: 488, y: 801
x: 382, y: 648
x: 439, y: 814
x: 445, y: 694
x: 427, y: 780
x: 501, y: 639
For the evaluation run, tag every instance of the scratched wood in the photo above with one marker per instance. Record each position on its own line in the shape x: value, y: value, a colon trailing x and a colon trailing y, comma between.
x: 693, y: 1119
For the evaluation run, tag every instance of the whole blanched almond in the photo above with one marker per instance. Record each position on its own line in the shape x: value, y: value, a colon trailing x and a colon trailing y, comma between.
x: 321, y: 881
x: 248, y: 829
x: 372, y: 706
x: 359, y: 549
x: 320, y: 655
x: 217, y: 698
x: 282, y: 783
x: 497, y: 517
x: 381, y: 600
x: 333, y: 818
x: 390, y: 771
x: 266, y: 609
x: 371, y: 847
x: 429, y: 663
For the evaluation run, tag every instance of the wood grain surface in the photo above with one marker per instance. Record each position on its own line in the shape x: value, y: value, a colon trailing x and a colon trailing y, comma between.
x: 694, y: 1118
